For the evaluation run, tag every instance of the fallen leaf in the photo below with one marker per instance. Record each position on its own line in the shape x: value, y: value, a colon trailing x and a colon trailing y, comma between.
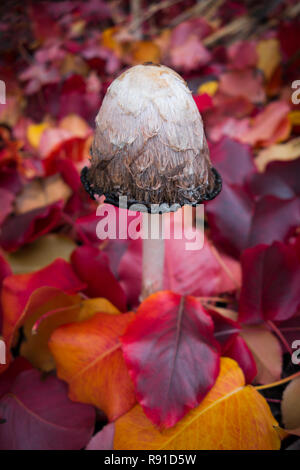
x: 251, y: 424
x: 17, y: 289
x: 242, y: 54
x: 88, y: 356
x: 210, y: 88
x: 271, y: 283
x: 239, y: 351
x: 233, y: 160
x: 245, y: 83
x: 270, y: 126
x: 267, y: 353
x: 237, y: 220
x: 34, y: 133
x: 43, y: 406
x: 283, y: 152
x: 92, y: 267
x: 269, y: 56
x: 280, y: 179
x: 25, y: 228
x: 145, y: 51
x: 190, y: 55
x: 7, y: 379
x: 169, y: 334
x: 76, y: 125
x: 290, y: 407
x: 47, y: 309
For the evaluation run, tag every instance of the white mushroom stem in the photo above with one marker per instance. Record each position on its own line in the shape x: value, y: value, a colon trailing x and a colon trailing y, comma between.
x: 153, y: 254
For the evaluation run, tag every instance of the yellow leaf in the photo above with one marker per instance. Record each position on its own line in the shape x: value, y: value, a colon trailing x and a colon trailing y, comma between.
x: 282, y: 152
x: 45, y: 317
x: 108, y: 40
x: 269, y: 56
x: 34, y: 133
x: 232, y: 416
x: 209, y: 87
x: 294, y: 117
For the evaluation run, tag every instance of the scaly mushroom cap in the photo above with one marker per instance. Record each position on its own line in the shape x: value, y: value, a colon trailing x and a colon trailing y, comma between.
x: 149, y: 143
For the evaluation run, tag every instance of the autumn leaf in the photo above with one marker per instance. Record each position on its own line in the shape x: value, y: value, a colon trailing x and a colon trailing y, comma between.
x: 42, y: 406
x: 290, y: 407
x: 283, y: 152
x: 238, y: 220
x: 251, y: 425
x: 270, y: 126
x: 17, y: 289
x: 269, y: 56
x: 271, y: 283
x: 92, y: 266
x: 25, y: 228
x: 89, y: 358
x: 266, y: 351
x: 169, y: 334
x: 47, y: 309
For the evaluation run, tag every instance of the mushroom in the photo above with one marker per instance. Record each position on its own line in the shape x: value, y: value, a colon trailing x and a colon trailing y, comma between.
x: 150, y: 146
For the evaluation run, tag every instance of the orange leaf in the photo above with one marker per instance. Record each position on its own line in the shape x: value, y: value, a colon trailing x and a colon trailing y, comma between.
x: 232, y: 417
x: 89, y: 357
x: 145, y: 51
x: 270, y: 126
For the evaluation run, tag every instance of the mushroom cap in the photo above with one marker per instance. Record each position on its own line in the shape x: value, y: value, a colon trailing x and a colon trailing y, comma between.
x: 149, y: 143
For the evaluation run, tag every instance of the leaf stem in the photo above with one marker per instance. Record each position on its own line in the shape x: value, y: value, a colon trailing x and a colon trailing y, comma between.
x: 279, y: 382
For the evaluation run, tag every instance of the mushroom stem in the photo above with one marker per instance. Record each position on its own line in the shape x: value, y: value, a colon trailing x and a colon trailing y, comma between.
x: 153, y: 254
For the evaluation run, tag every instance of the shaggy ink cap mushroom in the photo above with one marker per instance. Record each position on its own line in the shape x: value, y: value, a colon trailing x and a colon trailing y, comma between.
x: 149, y: 144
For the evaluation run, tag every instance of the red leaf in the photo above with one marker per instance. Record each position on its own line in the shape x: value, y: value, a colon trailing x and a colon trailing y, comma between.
x: 233, y: 160
x: 7, y: 379
x: 25, y: 228
x: 7, y: 199
x: 229, y: 218
x: 172, y: 356
x: 246, y: 83
x: 271, y: 283
x: 225, y: 330
x: 203, y: 102
x: 239, y: 351
x: 280, y: 179
x: 92, y: 267
x: 17, y: 290
x: 43, y: 407
x: 237, y: 221
x: 242, y: 54
x: 4, y: 272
